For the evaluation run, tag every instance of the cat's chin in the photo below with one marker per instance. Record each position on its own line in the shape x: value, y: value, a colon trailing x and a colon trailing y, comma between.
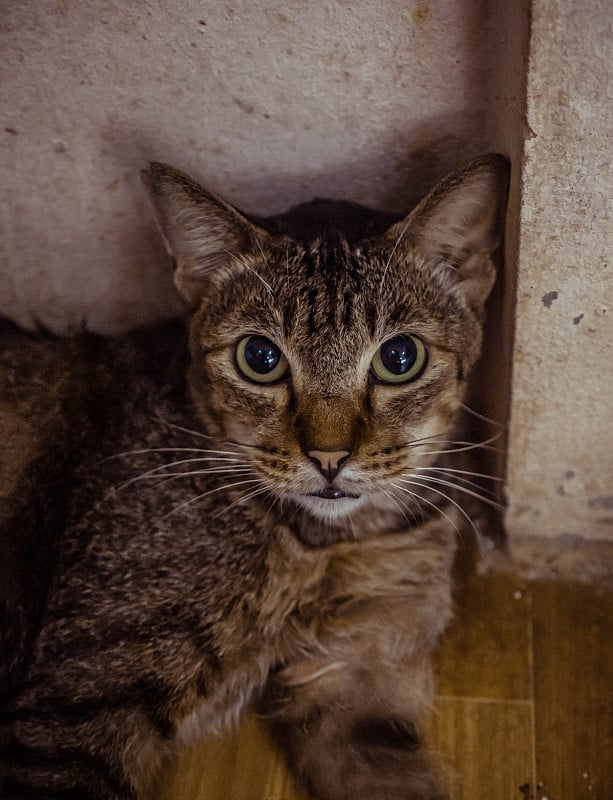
x: 328, y: 508
x: 319, y: 521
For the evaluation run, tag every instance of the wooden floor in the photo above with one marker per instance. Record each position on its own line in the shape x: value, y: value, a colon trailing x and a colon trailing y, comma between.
x: 525, y: 706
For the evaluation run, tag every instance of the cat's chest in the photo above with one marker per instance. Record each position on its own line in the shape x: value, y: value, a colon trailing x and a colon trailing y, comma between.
x: 270, y: 620
x: 314, y: 610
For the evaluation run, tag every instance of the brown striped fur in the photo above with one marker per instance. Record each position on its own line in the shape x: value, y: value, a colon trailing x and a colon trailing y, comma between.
x: 171, y: 594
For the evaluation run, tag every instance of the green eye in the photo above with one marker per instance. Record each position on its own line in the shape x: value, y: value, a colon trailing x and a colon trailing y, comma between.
x: 260, y: 360
x: 399, y: 360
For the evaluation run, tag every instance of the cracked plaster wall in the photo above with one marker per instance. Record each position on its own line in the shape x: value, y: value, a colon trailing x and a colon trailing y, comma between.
x: 560, y: 456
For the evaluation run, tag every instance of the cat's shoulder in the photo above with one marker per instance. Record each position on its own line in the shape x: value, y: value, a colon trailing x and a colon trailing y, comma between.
x: 64, y: 400
x: 34, y: 363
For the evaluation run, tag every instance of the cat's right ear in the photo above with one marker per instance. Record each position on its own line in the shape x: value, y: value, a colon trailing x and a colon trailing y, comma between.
x: 460, y: 224
x: 203, y: 234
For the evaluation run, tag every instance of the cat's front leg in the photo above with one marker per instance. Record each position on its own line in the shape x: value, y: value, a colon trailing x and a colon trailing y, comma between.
x: 357, y: 731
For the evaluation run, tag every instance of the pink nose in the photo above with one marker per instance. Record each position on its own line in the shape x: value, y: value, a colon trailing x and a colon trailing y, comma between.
x: 329, y: 462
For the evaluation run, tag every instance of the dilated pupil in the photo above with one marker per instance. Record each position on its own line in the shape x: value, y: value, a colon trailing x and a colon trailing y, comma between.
x: 261, y: 355
x: 398, y: 355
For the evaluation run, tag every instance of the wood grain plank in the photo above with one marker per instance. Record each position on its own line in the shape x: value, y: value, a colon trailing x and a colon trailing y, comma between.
x: 487, y: 650
x: 488, y: 743
x: 244, y: 765
x: 573, y: 690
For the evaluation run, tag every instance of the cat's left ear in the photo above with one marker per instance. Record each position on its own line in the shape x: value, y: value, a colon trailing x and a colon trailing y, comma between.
x: 203, y: 234
x: 460, y: 223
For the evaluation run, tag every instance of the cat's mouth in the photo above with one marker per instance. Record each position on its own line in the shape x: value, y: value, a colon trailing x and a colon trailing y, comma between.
x: 333, y: 493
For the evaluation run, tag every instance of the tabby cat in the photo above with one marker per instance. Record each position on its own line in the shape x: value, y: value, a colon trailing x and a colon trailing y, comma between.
x: 256, y: 518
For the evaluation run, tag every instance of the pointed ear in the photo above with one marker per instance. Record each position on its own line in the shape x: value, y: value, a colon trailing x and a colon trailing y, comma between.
x: 460, y: 223
x: 201, y: 231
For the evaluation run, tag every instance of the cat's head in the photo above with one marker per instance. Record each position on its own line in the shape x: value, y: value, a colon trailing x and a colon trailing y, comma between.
x: 334, y: 364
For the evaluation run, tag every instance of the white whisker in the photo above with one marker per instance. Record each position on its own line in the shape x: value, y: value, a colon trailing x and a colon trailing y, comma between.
x: 206, y: 494
x: 159, y: 470
x: 147, y: 450
x: 446, y: 497
x: 189, y: 431
x: 458, y: 488
x: 165, y: 477
x: 462, y: 472
x: 245, y: 263
x: 287, y: 282
x: 463, y: 447
x: 391, y: 256
x: 162, y: 477
x: 457, y: 479
x: 482, y: 417
x: 430, y: 437
x: 418, y: 498
x: 216, y: 459
x: 352, y: 524
x: 275, y: 500
x: 193, y: 472
x: 242, y: 499
x: 401, y: 506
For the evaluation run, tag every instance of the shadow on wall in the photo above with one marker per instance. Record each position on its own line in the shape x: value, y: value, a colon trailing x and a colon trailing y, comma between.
x: 393, y: 176
x: 269, y: 107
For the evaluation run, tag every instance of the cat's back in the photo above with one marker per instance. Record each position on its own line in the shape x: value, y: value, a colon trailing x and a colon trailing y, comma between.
x: 62, y: 401
x: 35, y: 390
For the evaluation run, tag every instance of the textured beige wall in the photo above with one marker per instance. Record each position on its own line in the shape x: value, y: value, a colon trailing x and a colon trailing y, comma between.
x: 268, y: 102
x: 560, y: 459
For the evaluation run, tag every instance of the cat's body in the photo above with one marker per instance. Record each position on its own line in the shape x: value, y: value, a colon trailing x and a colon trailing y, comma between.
x: 289, y: 564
